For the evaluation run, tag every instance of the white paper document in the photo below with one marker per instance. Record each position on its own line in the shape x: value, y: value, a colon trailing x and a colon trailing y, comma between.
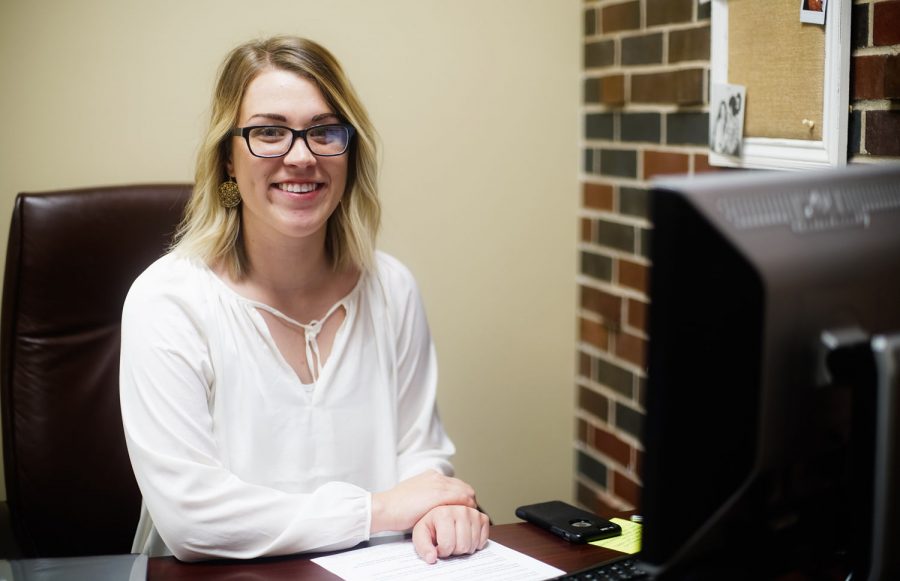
x: 399, y: 561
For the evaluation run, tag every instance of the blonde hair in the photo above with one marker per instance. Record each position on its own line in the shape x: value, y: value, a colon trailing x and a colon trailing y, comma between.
x: 210, y: 231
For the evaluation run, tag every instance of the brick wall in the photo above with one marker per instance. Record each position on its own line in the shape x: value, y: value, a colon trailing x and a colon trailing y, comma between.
x: 645, y: 104
x: 875, y: 80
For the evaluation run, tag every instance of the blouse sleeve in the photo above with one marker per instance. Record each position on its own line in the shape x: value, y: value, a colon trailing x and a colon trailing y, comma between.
x: 423, y: 443
x: 201, y: 509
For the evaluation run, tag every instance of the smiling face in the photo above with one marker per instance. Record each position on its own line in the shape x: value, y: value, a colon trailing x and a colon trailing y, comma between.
x: 287, y: 198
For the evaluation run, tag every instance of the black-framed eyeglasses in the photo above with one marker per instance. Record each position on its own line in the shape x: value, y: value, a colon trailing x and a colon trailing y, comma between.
x: 277, y: 140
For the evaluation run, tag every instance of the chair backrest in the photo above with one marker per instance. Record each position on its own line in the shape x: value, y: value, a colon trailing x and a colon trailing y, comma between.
x: 71, y: 259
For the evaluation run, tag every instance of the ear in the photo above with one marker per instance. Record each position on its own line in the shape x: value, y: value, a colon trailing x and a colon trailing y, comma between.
x: 229, y: 165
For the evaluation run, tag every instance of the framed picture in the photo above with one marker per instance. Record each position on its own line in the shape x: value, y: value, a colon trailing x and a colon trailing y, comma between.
x: 813, y: 11
x: 796, y: 77
x: 726, y: 119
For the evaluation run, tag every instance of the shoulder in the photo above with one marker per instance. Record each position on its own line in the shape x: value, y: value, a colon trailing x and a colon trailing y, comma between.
x: 394, y: 286
x: 394, y: 278
x: 393, y: 272
x: 170, y: 280
x: 170, y: 271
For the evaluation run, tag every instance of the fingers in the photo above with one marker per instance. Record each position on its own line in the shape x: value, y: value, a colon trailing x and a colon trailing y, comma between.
x: 423, y: 540
x: 450, y: 530
x: 481, y: 527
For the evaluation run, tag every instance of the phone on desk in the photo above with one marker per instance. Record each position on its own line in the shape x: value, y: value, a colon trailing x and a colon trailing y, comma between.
x: 569, y: 522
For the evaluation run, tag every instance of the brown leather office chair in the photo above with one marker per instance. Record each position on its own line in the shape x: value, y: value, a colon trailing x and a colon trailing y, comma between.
x: 71, y: 258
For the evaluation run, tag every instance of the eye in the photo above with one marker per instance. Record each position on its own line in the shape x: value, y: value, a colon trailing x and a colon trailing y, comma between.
x: 269, y: 133
x: 326, y: 134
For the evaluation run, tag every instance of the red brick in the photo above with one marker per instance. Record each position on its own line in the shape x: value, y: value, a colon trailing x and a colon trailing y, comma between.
x: 584, y: 365
x: 587, y: 230
x: 594, y: 333
x: 886, y: 23
x: 626, y: 489
x: 689, y: 45
x: 883, y: 132
x: 631, y: 348
x: 636, y: 314
x: 611, y: 446
x: 597, y: 196
x: 701, y: 164
x: 594, y: 403
x: 663, y: 162
x: 892, y: 77
x: 612, y: 90
x: 669, y: 11
x: 609, y: 90
x: 581, y: 431
x: 869, y: 76
x: 632, y: 275
x: 604, y: 304
x: 684, y: 87
x: 624, y: 16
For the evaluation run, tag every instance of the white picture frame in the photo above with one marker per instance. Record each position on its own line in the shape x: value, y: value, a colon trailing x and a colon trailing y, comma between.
x: 795, y: 154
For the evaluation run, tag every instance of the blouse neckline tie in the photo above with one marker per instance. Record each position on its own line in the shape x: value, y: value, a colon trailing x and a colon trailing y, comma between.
x: 311, y: 332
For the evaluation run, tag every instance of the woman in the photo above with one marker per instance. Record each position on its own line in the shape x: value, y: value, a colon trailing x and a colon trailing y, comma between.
x: 277, y: 376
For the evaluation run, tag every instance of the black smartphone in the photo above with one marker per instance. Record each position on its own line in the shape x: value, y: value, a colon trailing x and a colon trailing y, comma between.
x: 569, y: 522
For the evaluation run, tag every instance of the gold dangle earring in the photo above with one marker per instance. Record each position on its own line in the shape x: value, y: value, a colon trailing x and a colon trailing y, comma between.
x: 229, y: 194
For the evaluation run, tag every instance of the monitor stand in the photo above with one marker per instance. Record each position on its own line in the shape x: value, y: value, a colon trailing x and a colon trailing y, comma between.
x: 884, y: 558
x: 871, y: 365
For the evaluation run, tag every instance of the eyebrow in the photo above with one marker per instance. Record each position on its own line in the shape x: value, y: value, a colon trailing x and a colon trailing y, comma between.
x: 322, y: 116
x: 283, y: 119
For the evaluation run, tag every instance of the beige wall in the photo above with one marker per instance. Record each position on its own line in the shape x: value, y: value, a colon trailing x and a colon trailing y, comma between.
x: 477, y: 105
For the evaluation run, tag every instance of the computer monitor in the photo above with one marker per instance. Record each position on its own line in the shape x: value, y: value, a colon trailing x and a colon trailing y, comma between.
x: 772, y: 391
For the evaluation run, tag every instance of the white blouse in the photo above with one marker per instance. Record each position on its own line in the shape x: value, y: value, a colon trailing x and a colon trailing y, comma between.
x: 234, y: 456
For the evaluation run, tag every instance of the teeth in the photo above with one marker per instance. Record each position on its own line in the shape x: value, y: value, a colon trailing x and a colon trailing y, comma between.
x: 298, y: 188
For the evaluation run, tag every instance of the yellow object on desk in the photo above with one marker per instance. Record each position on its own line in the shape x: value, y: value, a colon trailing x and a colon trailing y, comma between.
x: 628, y: 542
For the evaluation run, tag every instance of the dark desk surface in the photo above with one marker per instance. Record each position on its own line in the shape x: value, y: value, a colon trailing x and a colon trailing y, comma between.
x: 522, y: 537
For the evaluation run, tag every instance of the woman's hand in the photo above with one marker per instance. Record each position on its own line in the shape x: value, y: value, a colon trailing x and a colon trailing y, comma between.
x: 404, y: 505
x: 450, y: 530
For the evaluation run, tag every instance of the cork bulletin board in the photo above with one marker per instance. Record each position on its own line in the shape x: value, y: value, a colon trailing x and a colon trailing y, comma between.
x: 788, y: 89
x: 796, y: 76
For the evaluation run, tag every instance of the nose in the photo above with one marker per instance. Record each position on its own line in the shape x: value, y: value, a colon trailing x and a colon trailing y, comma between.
x: 299, y: 154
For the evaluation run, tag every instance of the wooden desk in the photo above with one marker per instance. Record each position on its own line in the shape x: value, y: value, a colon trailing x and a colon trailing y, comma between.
x: 519, y: 536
